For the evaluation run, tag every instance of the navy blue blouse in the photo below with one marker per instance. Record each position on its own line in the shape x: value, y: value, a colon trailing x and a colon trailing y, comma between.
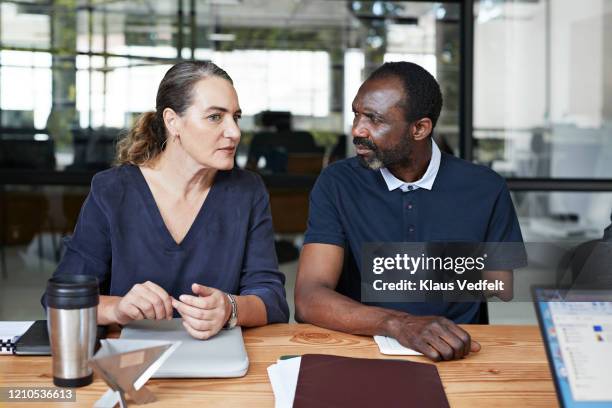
x: 121, y: 238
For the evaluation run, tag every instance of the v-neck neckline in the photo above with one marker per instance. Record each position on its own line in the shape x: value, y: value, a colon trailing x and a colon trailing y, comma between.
x: 158, y: 220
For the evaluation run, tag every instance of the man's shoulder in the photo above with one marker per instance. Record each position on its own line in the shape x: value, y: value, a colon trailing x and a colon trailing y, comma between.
x: 344, y: 164
x: 460, y: 171
x: 344, y: 174
x: 342, y: 168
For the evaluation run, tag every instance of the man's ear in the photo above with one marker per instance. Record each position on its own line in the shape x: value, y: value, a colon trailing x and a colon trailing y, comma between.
x: 171, y: 120
x: 421, y: 129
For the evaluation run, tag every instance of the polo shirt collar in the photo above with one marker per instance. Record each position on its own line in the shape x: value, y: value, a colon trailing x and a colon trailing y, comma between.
x: 425, y: 182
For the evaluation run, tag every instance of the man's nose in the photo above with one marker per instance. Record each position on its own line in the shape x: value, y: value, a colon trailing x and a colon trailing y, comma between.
x: 358, y: 130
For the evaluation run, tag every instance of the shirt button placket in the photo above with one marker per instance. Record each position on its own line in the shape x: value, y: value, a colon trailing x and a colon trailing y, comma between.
x: 410, y: 220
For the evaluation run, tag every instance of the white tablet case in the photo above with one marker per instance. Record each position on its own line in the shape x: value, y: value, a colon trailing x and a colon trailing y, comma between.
x: 222, y: 356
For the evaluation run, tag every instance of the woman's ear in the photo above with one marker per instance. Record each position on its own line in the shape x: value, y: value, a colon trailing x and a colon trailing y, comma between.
x: 172, y: 122
x: 421, y: 129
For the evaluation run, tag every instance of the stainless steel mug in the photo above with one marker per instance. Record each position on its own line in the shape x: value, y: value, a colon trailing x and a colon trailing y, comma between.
x: 72, y: 302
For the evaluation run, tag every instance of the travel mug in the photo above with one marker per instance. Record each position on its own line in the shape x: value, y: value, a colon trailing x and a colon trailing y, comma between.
x: 72, y: 302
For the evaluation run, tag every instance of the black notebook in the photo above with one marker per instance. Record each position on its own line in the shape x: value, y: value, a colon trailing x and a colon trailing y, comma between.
x: 35, y: 342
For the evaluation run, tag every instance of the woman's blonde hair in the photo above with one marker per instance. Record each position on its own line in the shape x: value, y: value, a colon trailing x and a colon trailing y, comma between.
x: 147, y: 138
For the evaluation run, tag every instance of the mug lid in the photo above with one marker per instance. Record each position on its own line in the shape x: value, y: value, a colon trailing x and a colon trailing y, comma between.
x: 72, y: 286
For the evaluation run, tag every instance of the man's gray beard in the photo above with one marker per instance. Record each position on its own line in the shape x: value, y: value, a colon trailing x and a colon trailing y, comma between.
x: 401, y: 155
x: 375, y: 163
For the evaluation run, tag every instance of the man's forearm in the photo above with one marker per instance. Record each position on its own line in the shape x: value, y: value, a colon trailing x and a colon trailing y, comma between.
x: 436, y: 337
x: 326, y: 308
x: 507, y: 279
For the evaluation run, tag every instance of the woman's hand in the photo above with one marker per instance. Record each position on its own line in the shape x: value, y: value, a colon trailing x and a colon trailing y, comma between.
x: 204, y: 314
x: 144, y: 301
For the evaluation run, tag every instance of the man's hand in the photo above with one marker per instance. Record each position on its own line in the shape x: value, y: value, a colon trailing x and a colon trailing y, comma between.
x: 144, y: 301
x: 205, y: 313
x: 436, y: 337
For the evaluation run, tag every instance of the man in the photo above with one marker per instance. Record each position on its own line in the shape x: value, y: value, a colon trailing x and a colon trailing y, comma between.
x: 399, y: 188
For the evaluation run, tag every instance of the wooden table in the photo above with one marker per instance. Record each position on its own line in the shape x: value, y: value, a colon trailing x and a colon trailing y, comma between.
x: 510, y: 371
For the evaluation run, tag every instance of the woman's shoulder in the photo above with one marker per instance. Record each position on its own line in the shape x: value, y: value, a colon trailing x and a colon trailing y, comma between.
x: 245, y: 180
x: 109, y: 177
x: 111, y: 182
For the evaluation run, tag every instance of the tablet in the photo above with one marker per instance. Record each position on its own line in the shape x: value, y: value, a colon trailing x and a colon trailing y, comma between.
x: 221, y: 356
x: 576, y: 328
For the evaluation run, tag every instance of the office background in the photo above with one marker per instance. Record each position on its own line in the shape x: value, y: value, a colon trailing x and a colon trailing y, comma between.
x: 526, y: 85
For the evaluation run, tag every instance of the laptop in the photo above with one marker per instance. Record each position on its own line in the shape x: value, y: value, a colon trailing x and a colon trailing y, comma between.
x: 222, y: 356
x: 576, y: 327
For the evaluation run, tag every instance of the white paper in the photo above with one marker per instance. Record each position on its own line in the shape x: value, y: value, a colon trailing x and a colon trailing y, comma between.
x: 276, y: 379
x: 10, y: 331
x: 284, y: 377
x: 390, y: 346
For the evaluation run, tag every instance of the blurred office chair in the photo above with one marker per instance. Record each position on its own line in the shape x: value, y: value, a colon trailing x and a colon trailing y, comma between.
x: 607, y: 235
x: 286, y: 151
x: 338, y: 152
x: 94, y: 149
x: 590, y: 263
x: 23, y: 215
x: 25, y: 218
x: 293, y: 161
x: 304, y: 163
x: 27, y: 154
x: 289, y: 207
x: 483, y: 313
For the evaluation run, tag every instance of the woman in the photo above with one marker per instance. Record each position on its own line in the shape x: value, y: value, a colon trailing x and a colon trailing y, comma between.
x: 175, y: 227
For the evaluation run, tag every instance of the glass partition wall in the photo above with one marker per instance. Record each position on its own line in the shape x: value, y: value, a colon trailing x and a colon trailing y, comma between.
x: 543, y: 108
x: 75, y: 74
x: 524, y: 83
x: 542, y: 100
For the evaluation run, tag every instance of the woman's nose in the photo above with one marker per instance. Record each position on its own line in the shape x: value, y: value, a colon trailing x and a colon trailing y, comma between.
x: 232, y: 130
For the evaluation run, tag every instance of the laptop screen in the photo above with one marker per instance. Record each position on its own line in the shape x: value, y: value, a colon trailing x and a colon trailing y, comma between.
x: 577, y: 329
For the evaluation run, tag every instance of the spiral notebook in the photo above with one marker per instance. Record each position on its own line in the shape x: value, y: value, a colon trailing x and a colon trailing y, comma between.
x: 9, y: 334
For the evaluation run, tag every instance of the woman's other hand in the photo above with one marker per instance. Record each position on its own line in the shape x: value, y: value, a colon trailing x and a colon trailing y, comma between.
x: 204, y: 314
x: 144, y: 301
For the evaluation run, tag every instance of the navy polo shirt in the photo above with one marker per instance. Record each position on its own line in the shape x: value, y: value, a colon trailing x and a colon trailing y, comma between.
x: 121, y: 238
x: 351, y: 205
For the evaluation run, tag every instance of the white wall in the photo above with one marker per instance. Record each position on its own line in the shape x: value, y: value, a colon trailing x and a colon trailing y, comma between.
x: 509, y: 67
x: 510, y: 90
x: 577, y: 62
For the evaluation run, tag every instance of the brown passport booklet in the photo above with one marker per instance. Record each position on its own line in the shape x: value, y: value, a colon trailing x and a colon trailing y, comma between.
x: 334, y: 381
